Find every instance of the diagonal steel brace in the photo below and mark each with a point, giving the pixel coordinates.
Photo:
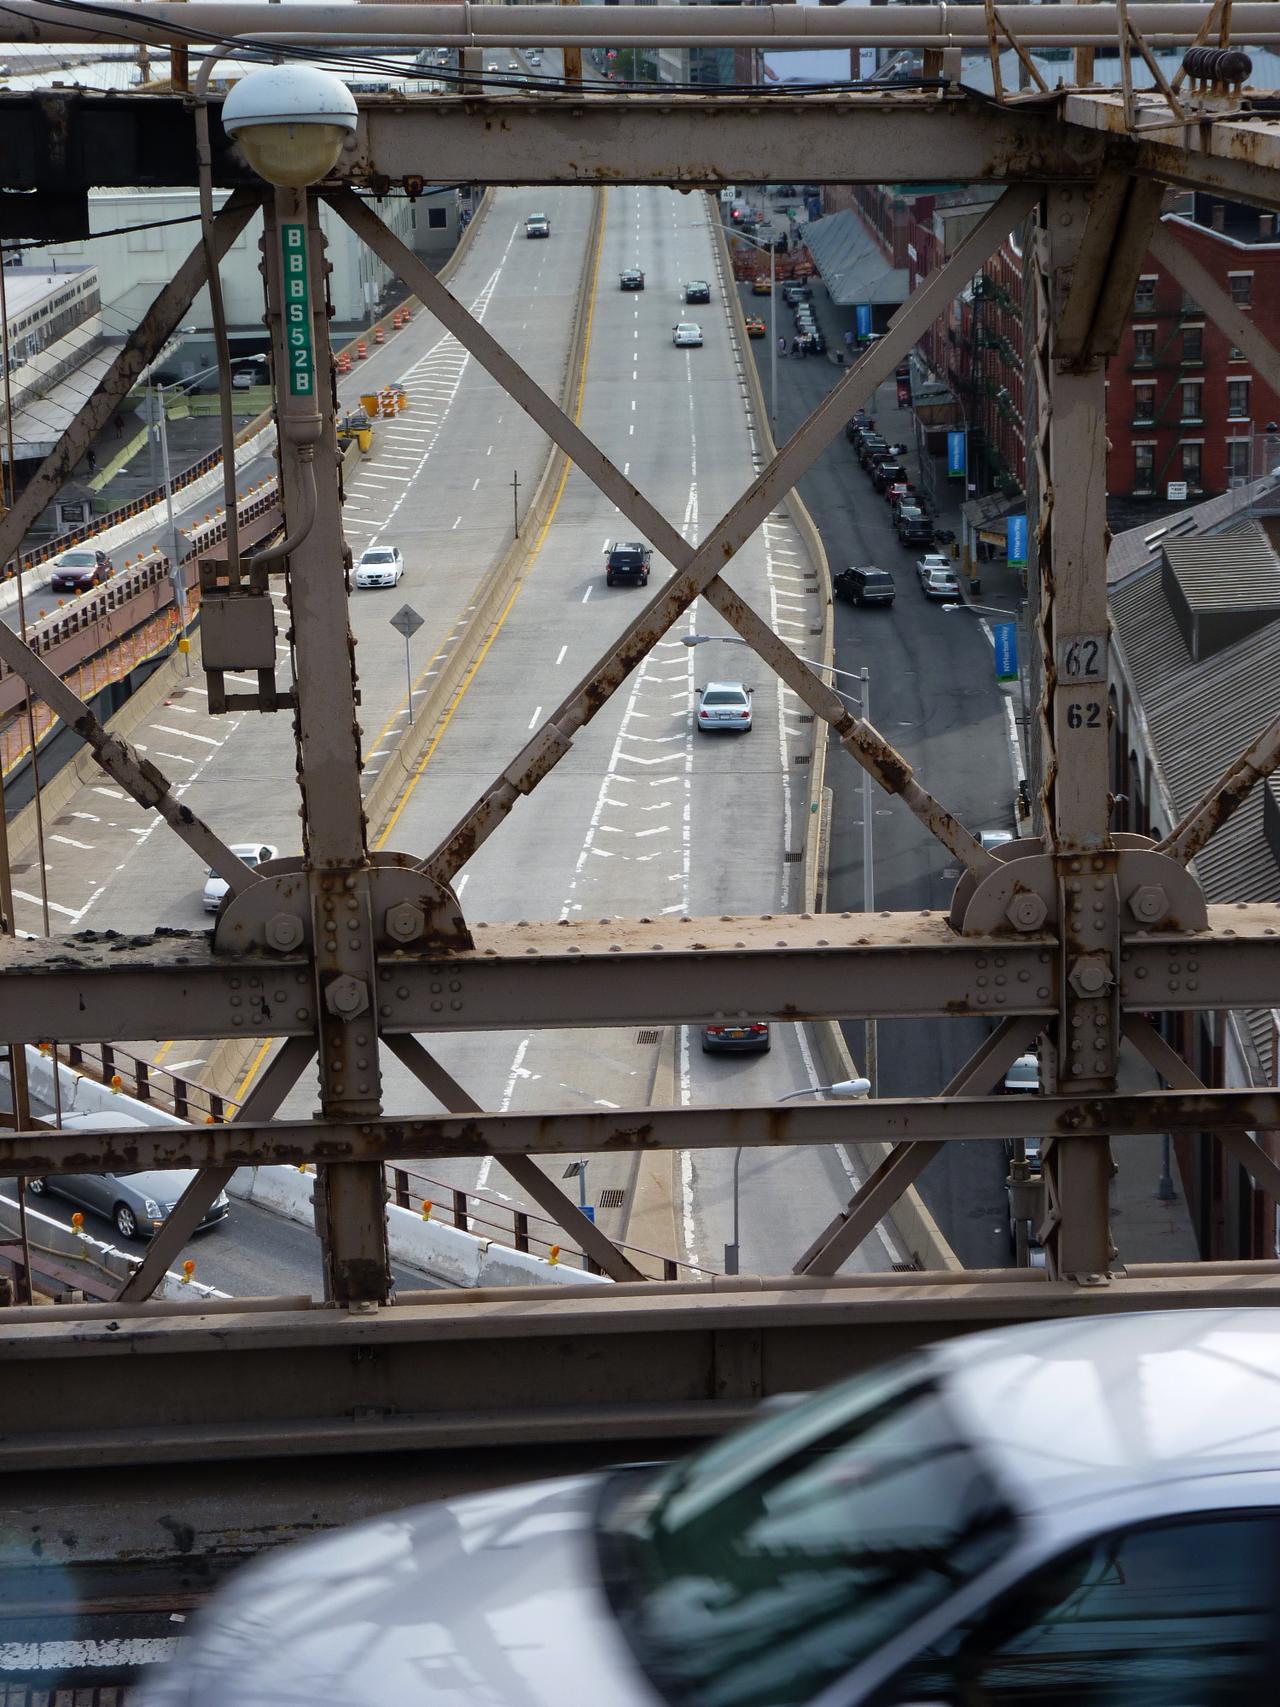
(906, 1161)
(523, 1169)
(696, 568)
(262, 1102)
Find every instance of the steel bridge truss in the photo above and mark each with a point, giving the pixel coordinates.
(1069, 937)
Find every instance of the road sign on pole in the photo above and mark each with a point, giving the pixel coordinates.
(406, 621)
(1006, 638)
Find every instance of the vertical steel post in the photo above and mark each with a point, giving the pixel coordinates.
(773, 342)
(177, 575)
(1071, 456)
(350, 1197)
(872, 1064)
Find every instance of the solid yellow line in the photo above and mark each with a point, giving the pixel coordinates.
(251, 1073)
(529, 561)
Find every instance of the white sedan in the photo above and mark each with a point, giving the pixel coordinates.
(379, 566)
(725, 706)
(686, 333)
(252, 853)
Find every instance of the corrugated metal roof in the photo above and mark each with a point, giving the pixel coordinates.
(851, 263)
(1232, 570)
(1201, 715)
(1136, 547)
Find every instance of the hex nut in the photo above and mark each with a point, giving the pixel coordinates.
(346, 997)
(1149, 904)
(404, 922)
(1090, 975)
(1026, 912)
(284, 932)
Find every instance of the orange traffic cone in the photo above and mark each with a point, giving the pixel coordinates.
(362, 350)
(379, 336)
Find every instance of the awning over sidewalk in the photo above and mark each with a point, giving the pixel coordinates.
(852, 266)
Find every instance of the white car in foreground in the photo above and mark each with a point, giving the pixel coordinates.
(252, 853)
(686, 334)
(379, 566)
(1073, 1513)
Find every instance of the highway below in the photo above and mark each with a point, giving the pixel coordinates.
(933, 694)
(645, 817)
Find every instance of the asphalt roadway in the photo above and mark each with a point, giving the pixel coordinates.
(934, 695)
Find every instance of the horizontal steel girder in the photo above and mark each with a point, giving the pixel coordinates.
(495, 1370)
(621, 972)
(574, 1132)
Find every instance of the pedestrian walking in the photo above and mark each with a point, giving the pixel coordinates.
(795, 346)
(848, 339)
(782, 346)
(119, 426)
(90, 460)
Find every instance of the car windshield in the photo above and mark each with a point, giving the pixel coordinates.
(77, 560)
(725, 698)
(764, 1568)
(379, 556)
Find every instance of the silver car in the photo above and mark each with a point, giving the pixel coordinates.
(725, 707)
(939, 584)
(136, 1204)
(1078, 1513)
(252, 853)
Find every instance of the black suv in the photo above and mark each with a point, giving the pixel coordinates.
(916, 530)
(869, 586)
(886, 474)
(628, 560)
(697, 290)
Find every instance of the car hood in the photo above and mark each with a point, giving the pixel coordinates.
(488, 1600)
(164, 1185)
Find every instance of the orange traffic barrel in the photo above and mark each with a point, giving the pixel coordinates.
(362, 350)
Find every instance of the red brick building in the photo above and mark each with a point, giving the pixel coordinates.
(1183, 404)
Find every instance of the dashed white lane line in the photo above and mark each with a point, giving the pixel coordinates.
(560, 654)
(533, 721)
(187, 734)
(71, 842)
(586, 595)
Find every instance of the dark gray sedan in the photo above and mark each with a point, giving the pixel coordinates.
(136, 1204)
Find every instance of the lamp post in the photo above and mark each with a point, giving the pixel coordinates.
(1020, 618)
(843, 1088)
(176, 576)
(755, 243)
(862, 700)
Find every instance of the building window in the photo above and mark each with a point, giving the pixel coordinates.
(1191, 393)
(1190, 306)
(1193, 344)
(1237, 461)
(1144, 298)
(1241, 289)
(437, 217)
(1144, 345)
(1235, 355)
(1191, 461)
(1144, 402)
(1238, 399)
(1144, 468)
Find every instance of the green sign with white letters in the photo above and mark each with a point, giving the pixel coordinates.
(297, 310)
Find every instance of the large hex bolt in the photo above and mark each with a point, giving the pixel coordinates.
(284, 933)
(346, 997)
(1026, 912)
(404, 922)
(1090, 975)
(1149, 904)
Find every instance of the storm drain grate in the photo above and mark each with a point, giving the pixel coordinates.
(572, 1171)
(801, 759)
(906, 1268)
(611, 1197)
(649, 1036)
(792, 858)
(806, 717)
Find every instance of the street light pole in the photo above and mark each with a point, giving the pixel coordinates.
(177, 575)
(868, 877)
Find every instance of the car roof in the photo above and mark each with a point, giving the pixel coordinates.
(1069, 1410)
(628, 545)
(726, 687)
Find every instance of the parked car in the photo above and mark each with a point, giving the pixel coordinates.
(379, 566)
(886, 474)
(724, 707)
(932, 560)
(1023, 1076)
(686, 335)
(915, 530)
(865, 586)
(136, 1204)
(756, 327)
(252, 853)
(740, 1035)
(537, 225)
(871, 446)
(627, 560)
(760, 285)
(697, 290)
(795, 290)
(632, 279)
(1078, 1512)
(78, 568)
(940, 584)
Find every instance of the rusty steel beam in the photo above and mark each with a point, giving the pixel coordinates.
(527, 1174)
(289, 1143)
(281, 1074)
(885, 764)
(554, 739)
(622, 973)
